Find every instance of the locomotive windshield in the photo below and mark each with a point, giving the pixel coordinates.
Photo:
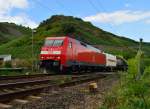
(54, 42)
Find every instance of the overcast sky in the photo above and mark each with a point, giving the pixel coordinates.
(130, 18)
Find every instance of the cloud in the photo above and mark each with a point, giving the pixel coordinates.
(127, 5)
(6, 7)
(21, 19)
(119, 17)
(148, 21)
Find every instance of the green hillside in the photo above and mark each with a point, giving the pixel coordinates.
(60, 25)
(10, 31)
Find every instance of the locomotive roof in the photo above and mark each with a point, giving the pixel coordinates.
(63, 37)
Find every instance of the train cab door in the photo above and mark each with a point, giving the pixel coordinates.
(70, 52)
(72, 45)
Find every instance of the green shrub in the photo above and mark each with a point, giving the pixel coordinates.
(133, 92)
(22, 63)
(7, 64)
(130, 94)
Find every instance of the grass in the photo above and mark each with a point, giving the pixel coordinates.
(11, 31)
(11, 73)
(17, 73)
(133, 89)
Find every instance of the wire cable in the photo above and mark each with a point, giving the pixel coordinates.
(97, 10)
(44, 6)
(62, 5)
(116, 31)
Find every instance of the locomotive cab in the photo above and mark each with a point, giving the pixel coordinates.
(52, 53)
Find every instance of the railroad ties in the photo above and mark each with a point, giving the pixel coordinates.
(32, 88)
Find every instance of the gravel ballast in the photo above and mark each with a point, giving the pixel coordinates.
(75, 97)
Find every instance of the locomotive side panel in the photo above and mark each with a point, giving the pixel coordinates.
(100, 59)
(71, 53)
(89, 56)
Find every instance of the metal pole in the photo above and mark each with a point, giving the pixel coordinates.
(33, 31)
(32, 50)
(140, 46)
(139, 63)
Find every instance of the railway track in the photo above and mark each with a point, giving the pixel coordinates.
(9, 91)
(24, 83)
(24, 76)
(36, 76)
(35, 87)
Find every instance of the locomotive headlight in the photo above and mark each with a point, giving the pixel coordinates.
(56, 52)
(58, 57)
(44, 52)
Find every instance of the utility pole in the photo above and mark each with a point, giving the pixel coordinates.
(139, 60)
(140, 45)
(33, 31)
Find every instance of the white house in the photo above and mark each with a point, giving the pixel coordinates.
(4, 58)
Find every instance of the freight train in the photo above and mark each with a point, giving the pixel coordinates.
(68, 54)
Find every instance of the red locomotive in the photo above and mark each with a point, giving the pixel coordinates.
(65, 53)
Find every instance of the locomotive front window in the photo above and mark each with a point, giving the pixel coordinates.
(49, 42)
(53, 42)
(58, 43)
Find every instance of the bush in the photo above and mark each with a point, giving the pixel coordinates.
(68, 28)
(133, 92)
(7, 64)
(130, 94)
(22, 63)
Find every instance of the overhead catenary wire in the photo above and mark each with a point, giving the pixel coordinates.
(104, 9)
(92, 4)
(97, 10)
(110, 24)
(32, 46)
(44, 6)
(52, 10)
(62, 5)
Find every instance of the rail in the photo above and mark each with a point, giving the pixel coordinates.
(36, 90)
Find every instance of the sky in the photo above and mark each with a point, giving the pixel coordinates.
(129, 18)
